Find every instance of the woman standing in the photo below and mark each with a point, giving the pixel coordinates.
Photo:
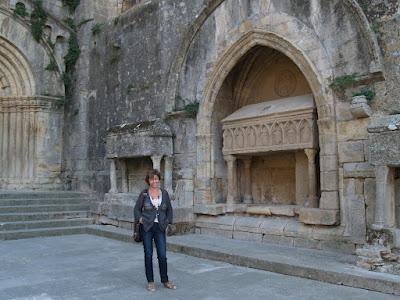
(153, 209)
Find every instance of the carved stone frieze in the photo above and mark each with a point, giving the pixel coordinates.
(253, 129)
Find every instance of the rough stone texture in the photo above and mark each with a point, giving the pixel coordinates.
(159, 56)
(370, 196)
(319, 216)
(351, 152)
(353, 130)
(358, 170)
(384, 140)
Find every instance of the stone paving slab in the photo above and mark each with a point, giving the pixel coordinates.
(92, 267)
(326, 266)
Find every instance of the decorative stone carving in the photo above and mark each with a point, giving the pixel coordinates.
(285, 124)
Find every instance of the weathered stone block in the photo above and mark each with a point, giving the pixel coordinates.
(214, 210)
(319, 216)
(296, 229)
(353, 130)
(273, 226)
(370, 199)
(353, 187)
(329, 162)
(328, 233)
(355, 219)
(329, 181)
(329, 200)
(306, 243)
(248, 224)
(279, 240)
(279, 210)
(351, 151)
(358, 170)
(247, 236)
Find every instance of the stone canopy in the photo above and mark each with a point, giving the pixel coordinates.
(147, 138)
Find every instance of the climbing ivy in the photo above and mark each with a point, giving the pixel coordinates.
(52, 66)
(20, 10)
(38, 20)
(71, 4)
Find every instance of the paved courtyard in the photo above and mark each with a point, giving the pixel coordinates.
(91, 267)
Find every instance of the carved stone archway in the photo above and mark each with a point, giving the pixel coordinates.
(324, 102)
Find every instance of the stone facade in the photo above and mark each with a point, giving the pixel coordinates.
(156, 60)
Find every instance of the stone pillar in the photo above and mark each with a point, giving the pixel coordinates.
(312, 200)
(248, 198)
(384, 204)
(124, 175)
(168, 174)
(156, 159)
(232, 197)
(113, 176)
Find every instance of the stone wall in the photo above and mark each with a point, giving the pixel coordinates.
(158, 56)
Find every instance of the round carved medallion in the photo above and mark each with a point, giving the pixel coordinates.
(285, 83)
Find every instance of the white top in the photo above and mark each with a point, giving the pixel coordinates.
(156, 203)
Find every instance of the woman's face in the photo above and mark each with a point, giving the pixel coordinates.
(154, 182)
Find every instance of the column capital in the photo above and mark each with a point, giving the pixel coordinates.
(229, 158)
(310, 153)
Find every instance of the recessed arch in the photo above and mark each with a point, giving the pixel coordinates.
(15, 67)
(210, 7)
(229, 59)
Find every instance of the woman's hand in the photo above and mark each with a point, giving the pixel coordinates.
(141, 220)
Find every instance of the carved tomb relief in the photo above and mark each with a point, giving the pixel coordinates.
(272, 144)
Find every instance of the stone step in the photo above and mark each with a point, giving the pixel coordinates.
(7, 226)
(19, 217)
(320, 265)
(41, 194)
(43, 208)
(40, 232)
(44, 201)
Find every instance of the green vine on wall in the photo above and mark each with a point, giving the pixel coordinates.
(367, 92)
(71, 4)
(20, 10)
(38, 20)
(339, 83)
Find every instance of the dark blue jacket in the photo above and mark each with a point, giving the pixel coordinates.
(144, 208)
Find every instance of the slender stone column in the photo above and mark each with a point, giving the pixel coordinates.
(156, 159)
(124, 175)
(232, 196)
(312, 178)
(113, 177)
(382, 177)
(168, 174)
(248, 198)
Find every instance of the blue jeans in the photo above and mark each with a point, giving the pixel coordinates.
(161, 245)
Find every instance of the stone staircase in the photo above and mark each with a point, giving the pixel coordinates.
(34, 214)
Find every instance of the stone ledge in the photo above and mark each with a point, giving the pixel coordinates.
(358, 170)
(210, 209)
(269, 210)
(317, 216)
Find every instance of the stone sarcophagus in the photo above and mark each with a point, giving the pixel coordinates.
(284, 124)
(271, 140)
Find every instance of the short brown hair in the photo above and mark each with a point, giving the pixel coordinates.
(151, 174)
